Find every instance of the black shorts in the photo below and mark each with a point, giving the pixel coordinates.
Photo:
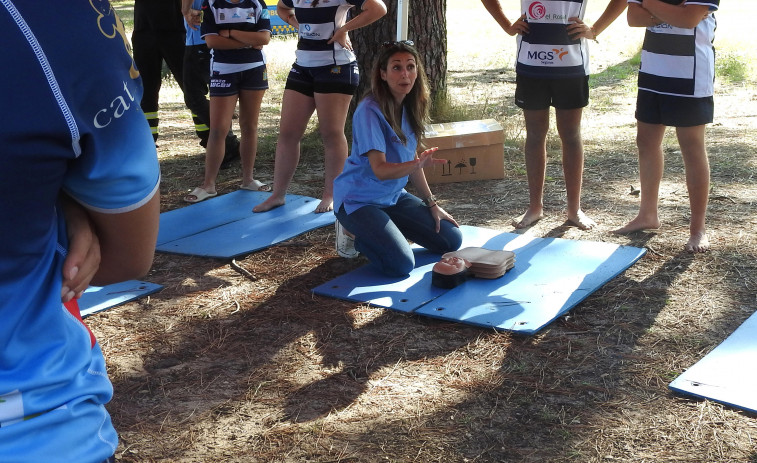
(324, 79)
(538, 93)
(230, 84)
(673, 111)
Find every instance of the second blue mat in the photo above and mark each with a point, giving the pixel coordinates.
(550, 276)
(724, 374)
(225, 226)
(98, 298)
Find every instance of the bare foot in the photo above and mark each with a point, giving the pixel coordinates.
(271, 203)
(527, 219)
(698, 242)
(582, 221)
(325, 206)
(638, 224)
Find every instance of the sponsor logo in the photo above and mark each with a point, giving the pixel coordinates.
(115, 110)
(217, 83)
(336, 70)
(537, 10)
(547, 57)
(110, 26)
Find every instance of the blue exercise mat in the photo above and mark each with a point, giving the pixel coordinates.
(98, 298)
(225, 226)
(550, 276)
(727, 374)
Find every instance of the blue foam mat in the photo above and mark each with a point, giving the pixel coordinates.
(98, 298)
(550, 276)
(725, 375)
(225, 226)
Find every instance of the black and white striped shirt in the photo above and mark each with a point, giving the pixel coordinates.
(678, 61)
(317, 25)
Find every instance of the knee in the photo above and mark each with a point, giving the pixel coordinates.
(399, 267)
(332, 137)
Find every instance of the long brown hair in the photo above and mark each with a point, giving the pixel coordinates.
(416, 103)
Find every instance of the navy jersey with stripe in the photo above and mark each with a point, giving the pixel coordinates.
(317, 25)
(680, 61)
(246, 15)
(547, 51)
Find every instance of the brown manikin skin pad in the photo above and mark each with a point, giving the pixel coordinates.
(485, 263)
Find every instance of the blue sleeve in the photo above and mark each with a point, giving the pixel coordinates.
(118, 168)
(367, 131)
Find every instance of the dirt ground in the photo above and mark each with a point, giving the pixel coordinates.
(225, 365)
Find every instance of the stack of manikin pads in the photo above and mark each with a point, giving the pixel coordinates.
(485, 263)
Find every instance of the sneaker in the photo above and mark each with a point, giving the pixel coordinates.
(345, 244)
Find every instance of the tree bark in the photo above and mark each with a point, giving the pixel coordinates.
(427, 27)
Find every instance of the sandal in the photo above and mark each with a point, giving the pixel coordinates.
(198, 194)
(256, 185)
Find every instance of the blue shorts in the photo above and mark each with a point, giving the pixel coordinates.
(230, 84)
(324, 79)
(673, 111)
(537, 93)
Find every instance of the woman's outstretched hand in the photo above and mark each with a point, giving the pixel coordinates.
(426, 158)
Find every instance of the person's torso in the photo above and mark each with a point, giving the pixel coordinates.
(358, 185)
(547, 51)
(679, 61)
(317, 26)
(158, 15)
(53, 382)
(246, 15)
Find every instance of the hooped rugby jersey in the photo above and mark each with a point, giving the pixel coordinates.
(679, 61)
(317, 26)
(248, 16)
(547, 51)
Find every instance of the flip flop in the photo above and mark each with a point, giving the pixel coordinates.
(256, 185)
(198, 194)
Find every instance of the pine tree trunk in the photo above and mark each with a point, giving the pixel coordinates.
(427, 27)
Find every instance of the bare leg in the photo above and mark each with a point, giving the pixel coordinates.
(537, 125)
(569, 129)
(651, 165)
(296, 110)
(221, 113)
(691, 140)
(332, 114)
(249, 112)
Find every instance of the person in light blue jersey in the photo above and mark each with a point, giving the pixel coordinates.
(78, 135)
(676, 86)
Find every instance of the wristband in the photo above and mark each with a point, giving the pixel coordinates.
(430, 201)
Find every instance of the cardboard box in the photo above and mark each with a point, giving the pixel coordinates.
(474, 150)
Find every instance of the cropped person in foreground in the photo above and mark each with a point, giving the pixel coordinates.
(676, 86)
(77, 135)
(375, 215)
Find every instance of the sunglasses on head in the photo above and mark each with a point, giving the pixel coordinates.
(392, 43)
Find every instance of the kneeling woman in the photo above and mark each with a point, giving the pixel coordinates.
(370, 200)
